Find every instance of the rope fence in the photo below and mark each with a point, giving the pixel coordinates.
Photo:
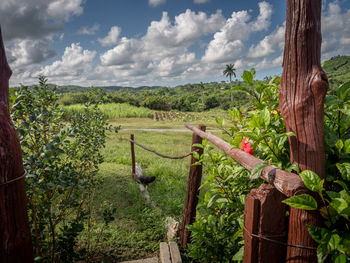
(159, 154)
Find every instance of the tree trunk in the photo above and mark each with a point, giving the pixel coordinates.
(302, 93)
(15, 241)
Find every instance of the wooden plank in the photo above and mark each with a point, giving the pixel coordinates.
(175, 253)
(287, 183)
(194, 181)
(272, 224)
(16, 240)
(301, 101)
(164, 253)
(251, 219)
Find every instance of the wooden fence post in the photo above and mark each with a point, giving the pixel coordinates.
(264, 220)
(194, 181)
(302, 92)
(15, 241)
(132, 155)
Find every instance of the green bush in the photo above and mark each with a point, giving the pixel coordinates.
(61, 160)
(217, 232)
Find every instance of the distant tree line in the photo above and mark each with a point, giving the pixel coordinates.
(189, 97)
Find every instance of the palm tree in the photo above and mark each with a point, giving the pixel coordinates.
(228, 72)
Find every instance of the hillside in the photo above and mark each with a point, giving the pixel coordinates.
(337, 70)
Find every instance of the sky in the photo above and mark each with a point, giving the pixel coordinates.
(153, 42)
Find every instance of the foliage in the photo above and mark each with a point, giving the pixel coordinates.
(110, 111)
(217, 232)
(261, 127)
(337, 70)
(189, 97)
(61, 160)
(334, 237)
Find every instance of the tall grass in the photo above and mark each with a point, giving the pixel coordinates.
(112, 111)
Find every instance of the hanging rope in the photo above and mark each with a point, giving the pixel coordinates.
(159, 154)
(16, 179)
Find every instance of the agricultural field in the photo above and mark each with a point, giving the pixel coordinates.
(112, 111)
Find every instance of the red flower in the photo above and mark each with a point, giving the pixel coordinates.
(254, 108)
(246, 146)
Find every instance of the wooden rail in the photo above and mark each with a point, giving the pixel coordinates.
(287, 183)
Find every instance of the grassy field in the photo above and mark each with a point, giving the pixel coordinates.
(138, 228)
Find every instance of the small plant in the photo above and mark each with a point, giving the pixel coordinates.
(334, 237)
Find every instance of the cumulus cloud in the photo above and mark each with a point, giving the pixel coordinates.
(335, 31)
(75, 62)
(163, 50)
(228, 42)
(26, 52)
(111, 38)
(35, 19)
(88, 30)
(271, 44)
(156, 2)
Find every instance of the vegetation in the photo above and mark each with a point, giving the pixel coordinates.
(219, 221)
(111, 111)
(337, 70)
(62, 165)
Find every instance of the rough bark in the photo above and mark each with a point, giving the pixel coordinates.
(302, 92)
(194, 181)
(15, 241)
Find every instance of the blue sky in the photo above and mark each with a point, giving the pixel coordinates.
(153, 42)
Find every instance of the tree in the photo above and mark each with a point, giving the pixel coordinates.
(228, 72)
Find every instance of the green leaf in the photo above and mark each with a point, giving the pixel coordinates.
(339, 145)
(318, 233)
(265, 114)
(347, 146)
(256, 171)
(312, 181)
(239, 255)
(248, 77)
(344, 169)
(303, 201)
(343, 91)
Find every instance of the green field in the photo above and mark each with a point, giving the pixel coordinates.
(138, 228)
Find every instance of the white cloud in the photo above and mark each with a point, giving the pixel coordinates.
(26, 52)
(111, 38)
(122, 53)
(269, 45)
(201, 1)
(335, 31)
(227, 44)
(75, 62)
(89, 30)
(59, 9)
(156, 2)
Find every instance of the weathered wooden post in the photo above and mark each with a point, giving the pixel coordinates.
(194, 182)
(15, 241)
(132, 155)
(302, 92)
(264, 225)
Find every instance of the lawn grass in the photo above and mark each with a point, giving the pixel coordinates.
(138, 228)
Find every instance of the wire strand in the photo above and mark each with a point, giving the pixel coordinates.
(16, 179)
